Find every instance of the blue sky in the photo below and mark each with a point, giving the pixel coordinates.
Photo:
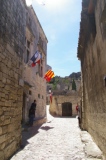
(60, 20)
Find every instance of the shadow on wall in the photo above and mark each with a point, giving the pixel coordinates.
(53, 114)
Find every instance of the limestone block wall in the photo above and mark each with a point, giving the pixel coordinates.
(57, 100)
(94, 88)
(12, 34)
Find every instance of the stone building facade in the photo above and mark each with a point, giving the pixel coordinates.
(64, 105)
(12, 35)
(92, 53)
(20, 35)
(35, 84)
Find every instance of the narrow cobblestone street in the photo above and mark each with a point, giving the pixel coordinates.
(52, 52)
(58, 139)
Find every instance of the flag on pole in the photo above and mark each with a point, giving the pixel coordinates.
(49, 74)
(35, 56)
(35, 59)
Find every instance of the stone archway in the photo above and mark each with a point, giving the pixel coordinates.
(67, 109)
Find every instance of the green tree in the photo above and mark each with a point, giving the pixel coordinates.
(54, 86)
(73, 85)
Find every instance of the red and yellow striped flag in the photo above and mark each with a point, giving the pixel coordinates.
(48, 75)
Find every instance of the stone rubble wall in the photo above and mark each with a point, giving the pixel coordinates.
(12, 34)
(94, 90)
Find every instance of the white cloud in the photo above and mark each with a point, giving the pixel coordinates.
(28, 2)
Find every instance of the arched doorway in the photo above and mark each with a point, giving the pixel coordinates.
(67, 109)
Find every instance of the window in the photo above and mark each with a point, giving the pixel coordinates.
(41, 71)
(40, 68)
(30, 93)
(92, 25)
(38, 95)
(28, 44)
(29, 21)
(27, 50)
(27, 58)
(25, 40)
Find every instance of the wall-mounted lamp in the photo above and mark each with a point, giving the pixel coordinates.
(105, 80)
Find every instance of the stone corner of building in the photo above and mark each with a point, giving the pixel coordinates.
(40, 121)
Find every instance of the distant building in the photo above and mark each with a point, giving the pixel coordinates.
(64, 104)
(48, 68)
(64, 99)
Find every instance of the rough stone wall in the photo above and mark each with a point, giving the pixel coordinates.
(93, 64)
(12, 34)
(57, 100)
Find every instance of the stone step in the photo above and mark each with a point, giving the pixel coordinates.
(92, 151)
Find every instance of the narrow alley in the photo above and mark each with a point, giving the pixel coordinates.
(53, 52)
(58, 139)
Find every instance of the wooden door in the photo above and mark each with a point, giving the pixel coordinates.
(67, 109)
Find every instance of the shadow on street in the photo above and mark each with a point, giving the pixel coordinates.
(27, 133)
(46, 128)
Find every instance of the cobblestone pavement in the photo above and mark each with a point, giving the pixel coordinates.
(58, 139)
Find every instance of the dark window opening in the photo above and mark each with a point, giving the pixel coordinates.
(92, 24)
(104, 29)
(38, 95)
(41, 71)
(30, 93)
(27, 58)
(28, 44)
(29, 20)
(25, 40)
